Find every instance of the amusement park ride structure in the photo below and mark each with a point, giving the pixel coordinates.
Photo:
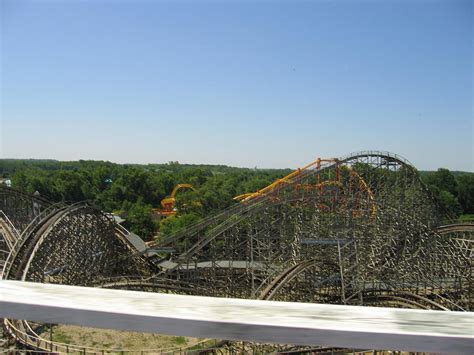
(358, 230)
(168, 204)
(331, 184)
(285, 180)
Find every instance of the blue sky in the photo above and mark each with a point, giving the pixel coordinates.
(242, 83)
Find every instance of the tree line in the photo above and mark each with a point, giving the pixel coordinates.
(135, 191)
(454, 190)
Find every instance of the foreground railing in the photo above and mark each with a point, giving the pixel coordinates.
(238, 319)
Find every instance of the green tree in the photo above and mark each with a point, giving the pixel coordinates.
(450, 202)
(466, 192)
(140, 220)
(175, 223)
(443, 179)
(189, 201)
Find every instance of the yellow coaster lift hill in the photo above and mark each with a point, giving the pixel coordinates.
(337, 181)
(168, 204)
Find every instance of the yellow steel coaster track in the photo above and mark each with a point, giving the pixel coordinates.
(363, 186)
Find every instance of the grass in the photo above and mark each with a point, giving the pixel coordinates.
(466, 218)
(180, 340)
(206, 345)
(114, 339)
(60, 337)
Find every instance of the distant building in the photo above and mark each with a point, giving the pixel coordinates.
(6, 181)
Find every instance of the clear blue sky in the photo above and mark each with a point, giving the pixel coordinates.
(262, 83)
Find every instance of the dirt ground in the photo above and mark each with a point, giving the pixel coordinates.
(120, 340)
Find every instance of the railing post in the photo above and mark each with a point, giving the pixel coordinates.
(51, 336)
